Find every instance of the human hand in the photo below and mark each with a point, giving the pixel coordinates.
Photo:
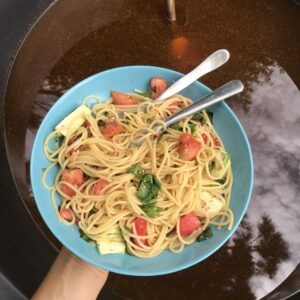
(71, 278)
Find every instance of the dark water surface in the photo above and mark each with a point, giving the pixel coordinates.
(76, 39)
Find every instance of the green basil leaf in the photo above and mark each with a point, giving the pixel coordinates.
(199, 117)
(204, 235)
(145, 187)
(151, 211)
(176, 126)
(192, 127)
(137, 171)
(156, 181)
(147, 94)
(148, 188)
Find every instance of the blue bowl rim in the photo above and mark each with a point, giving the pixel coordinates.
(141, 273)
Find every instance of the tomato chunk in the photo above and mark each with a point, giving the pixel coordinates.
(188, 146)
(123, 99)
(74, 177)
(111, 128)
(99, 186)
(66, 214)
(141, 230)
(67, 190)
(217, 142)
(188, 224)
(158, 86)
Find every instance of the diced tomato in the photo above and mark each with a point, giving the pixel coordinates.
(111, 128)
(189, 223)
(217, 142)
(158, 86)
(173, 106)
(141, 230)
(67, 190)
(74, 177)
(99, 186)
(123, 99)
(188, 146)
(185, 138)
(66, 214)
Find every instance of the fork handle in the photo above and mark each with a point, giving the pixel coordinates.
(227, 90)
(211, 63)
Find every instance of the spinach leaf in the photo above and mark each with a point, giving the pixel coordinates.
(101, 123)
(137, 171)
(199, 117)
(210, 115)
(204, 235)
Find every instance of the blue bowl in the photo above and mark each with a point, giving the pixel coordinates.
(126, 79)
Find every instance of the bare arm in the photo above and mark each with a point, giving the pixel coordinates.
(71, 278)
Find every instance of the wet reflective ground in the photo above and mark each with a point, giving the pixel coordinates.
(77, 39)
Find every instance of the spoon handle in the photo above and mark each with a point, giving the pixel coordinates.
(227, 90)
(214, 61)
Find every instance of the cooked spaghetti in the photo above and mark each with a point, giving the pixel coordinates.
(159, 196)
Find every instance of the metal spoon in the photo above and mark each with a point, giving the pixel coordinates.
(227, 90)
(214, 61)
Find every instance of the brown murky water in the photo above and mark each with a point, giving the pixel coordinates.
(76, 39)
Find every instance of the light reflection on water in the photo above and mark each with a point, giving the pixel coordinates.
(273, 126)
